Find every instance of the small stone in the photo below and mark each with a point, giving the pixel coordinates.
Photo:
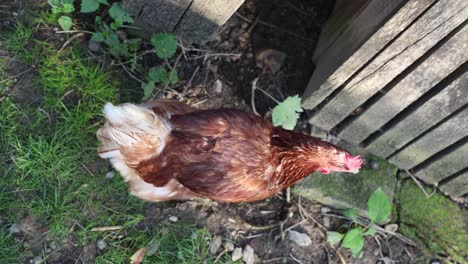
(94, 45)
(300, 239)
(173, 219)
(37, 260)
(325, 210)
(218, 86)
(229, 246)
(101, 244)
(215, 244)
(373, 164)
(248, 255)
(270, 60)
(391, 228)
(327, 222)
(435, 261)
(110, 175)
(53, 246)
(237, 254)
(14, 229)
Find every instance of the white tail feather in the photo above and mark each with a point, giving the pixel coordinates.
(132, 133)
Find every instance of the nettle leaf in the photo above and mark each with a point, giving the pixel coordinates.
(379, 207)
(88, 6)
(350, 213)
(370, 232)
(286, 113)
(334, 237)
(148, 89)
(65, 22)
(67, 6)
(354, 241)
(98, 37)
(158, 74)
(165, 45)
(119, 15)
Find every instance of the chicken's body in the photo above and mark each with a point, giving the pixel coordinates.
(167, 150)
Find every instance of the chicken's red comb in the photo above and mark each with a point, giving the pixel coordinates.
(353, 162)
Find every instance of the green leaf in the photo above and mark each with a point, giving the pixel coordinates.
(379, 207)
(354, 241)
(65, 22)
(88, 6)
(148, 89)
(68, 6)
(158, 74)
(286, 113)
(370, 232)
(165, 45)
(119, 15)
(334, 237)
(350, 213)
(98, 37)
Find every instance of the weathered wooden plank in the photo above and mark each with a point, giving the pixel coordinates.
(323, 82)
(448, 165)
(456, 187)
(204, 17)
(451, 98)
(344, 12)
(436, 140)
(431, 71)
(426, 32)
(156, 15)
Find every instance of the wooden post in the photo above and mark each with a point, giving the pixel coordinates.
(192, 20)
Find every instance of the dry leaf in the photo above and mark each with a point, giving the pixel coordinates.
(138, 256)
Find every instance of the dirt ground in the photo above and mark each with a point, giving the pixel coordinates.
(272, 41)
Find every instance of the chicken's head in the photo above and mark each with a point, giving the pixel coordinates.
(341, 161)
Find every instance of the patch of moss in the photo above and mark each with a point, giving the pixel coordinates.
(435, 222)
(345, 190)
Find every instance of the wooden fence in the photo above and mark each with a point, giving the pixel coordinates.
(392, 77)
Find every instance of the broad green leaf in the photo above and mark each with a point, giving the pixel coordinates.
(165, 45)
(158, 74)
(65, 22)
(68, 6)
(354, 241)
(286, 113)
(370, 232)
(334, 237)
(350, 213)
(379, 207)
(88, 6)
(98, 37)
(148, 89)
(119, 15)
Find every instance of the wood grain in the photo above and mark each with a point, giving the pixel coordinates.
(205, 17)
(358, 44)
(424, 34)
(431, 71)
(456, 187)
(450, 99)
(436, 140)
(446, 166)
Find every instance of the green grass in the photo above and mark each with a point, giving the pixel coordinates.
(46, 156)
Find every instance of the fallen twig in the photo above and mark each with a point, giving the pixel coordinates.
(106, 228)
(77, 35)
(419, 184)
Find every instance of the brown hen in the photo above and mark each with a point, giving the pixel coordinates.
(167, 150)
